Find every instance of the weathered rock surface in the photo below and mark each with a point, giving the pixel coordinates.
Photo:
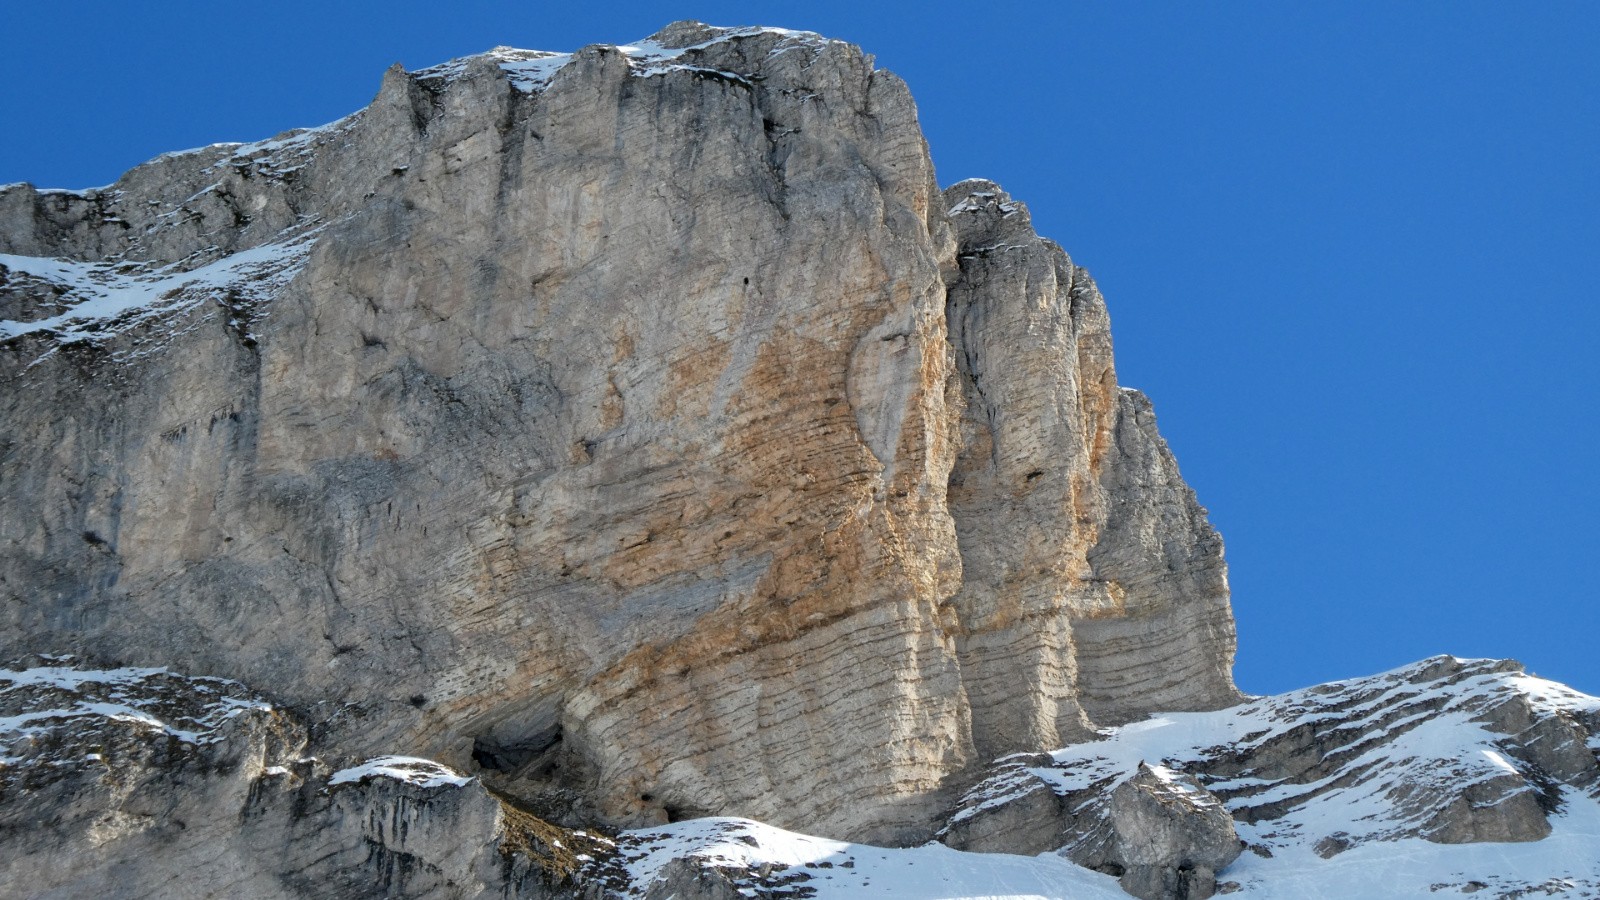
(1073, 609)
(637, 435)
(1172, 835)
(1448, 751)
(142, 783)
(639, 428)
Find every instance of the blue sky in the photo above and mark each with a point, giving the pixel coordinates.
(1350, 250)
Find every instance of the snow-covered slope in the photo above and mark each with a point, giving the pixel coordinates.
(729, 857)
(755, 860)
(1447, 774)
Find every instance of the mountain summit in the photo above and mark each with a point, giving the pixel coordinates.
(574, 443)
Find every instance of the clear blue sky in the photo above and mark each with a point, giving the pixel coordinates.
(1350, 250)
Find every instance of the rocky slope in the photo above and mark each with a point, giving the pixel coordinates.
(640, 428)
(1445, 751)
(154, 784)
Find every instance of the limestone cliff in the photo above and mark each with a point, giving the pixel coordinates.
(641, 429)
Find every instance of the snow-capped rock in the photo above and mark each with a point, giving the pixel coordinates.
(1446, 751)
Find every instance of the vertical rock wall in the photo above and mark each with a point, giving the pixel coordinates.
(630, 428)
(1094, 590)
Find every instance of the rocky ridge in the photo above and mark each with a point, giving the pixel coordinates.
(1446, 751)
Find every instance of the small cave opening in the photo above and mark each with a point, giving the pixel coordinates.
(677, 813)
(517, 755)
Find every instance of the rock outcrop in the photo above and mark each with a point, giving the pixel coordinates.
(154, 784)
(1447, 751)
(1172, 835)
(640, 429)
(1073, 609)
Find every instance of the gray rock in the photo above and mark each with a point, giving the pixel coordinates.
(1093, 588)
(155, 784)
(1032, 819)
(691, 879)
(1172, 835)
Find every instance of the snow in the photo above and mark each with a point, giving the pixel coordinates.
(75, 702)
(296, 139)
(295, 143)
(1418, 868)
(846, 871)
(70, 679)
(110, 297)
(1552, 695)
(530, 71)
(1440, 734)
(1419, 725)
(409, 769)
(836, 870)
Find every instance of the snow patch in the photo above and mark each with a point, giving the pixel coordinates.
(410, 769)
(531, 71)
(108, 298)
(45, 705)
(766, 861)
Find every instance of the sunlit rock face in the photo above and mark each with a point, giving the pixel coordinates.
(641, 429)
(1093, 587)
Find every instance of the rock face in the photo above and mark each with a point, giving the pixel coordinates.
(641, 429)
(154, 784)
(1093, 587)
